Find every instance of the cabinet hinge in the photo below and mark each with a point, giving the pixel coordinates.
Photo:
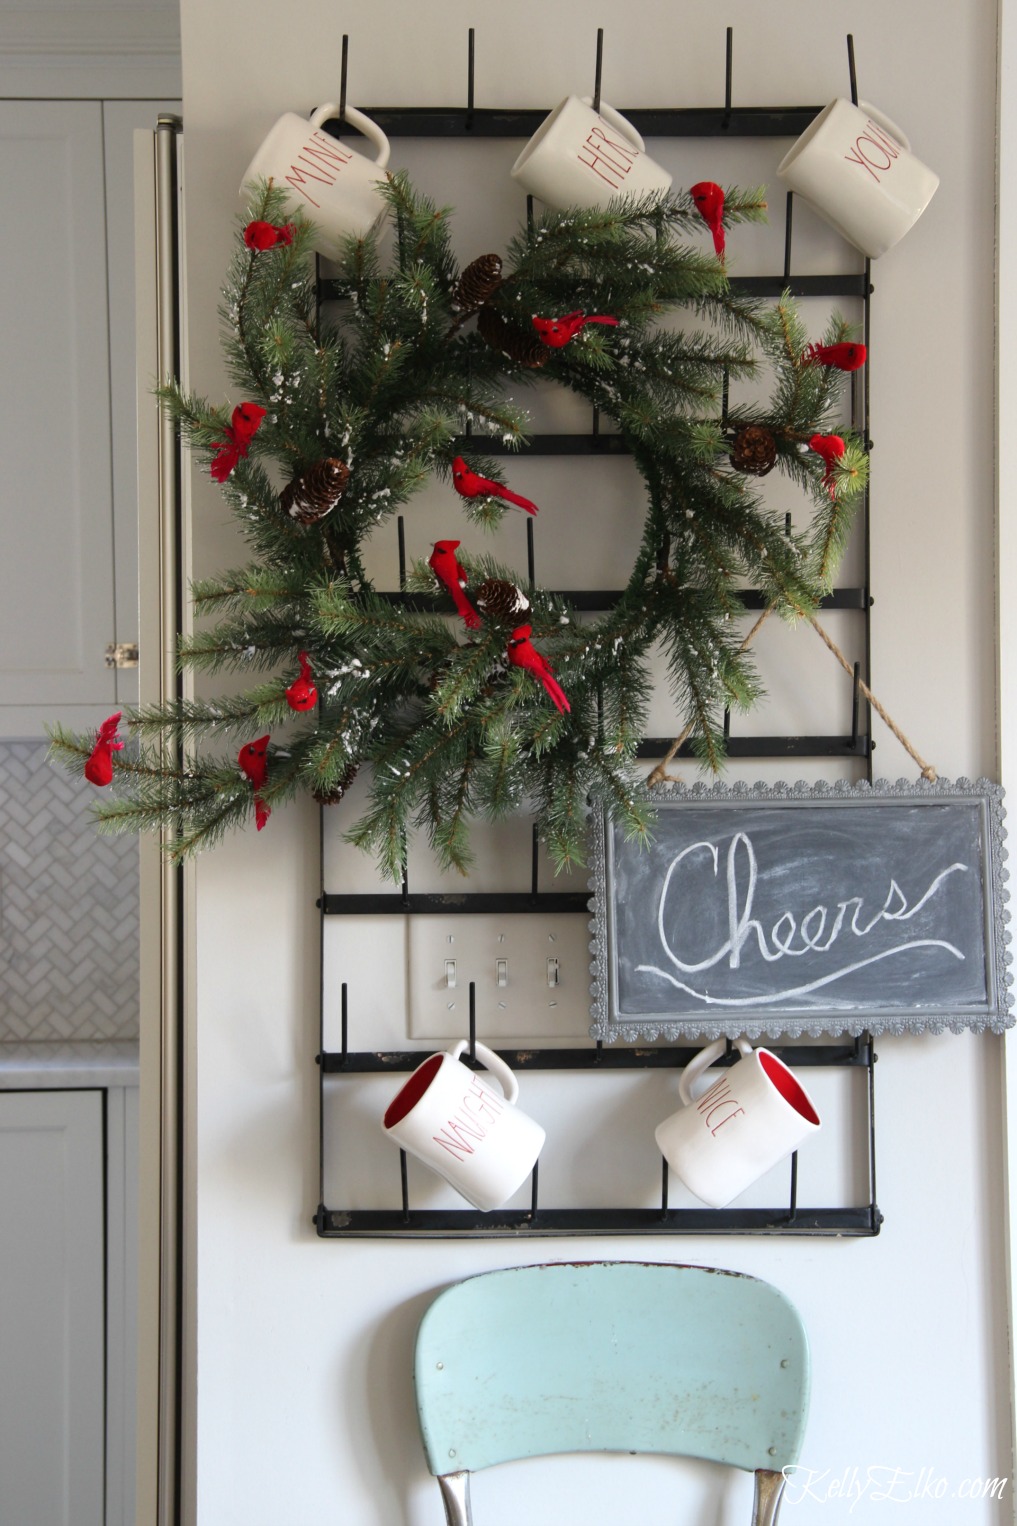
(122, 654)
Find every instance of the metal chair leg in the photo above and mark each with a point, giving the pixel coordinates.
(455, 1496)
(766, 1504)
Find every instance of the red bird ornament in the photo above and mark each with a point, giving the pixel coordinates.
(558, 332)
(99, 767)
(830, 447)
(301, 694)
(259, 236)
(469, 485)
(845, 356)
(240, 432)
(709, 201)
(253, 760)
(444, 563)
(522, 654)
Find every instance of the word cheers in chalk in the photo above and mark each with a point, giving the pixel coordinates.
(836, 939)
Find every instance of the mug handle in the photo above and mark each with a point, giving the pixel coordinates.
(363, 124)
(617, 121)
(702, 1061)
(884, 121)
(492, 1062)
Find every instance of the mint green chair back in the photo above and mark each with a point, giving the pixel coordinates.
(612, 1356)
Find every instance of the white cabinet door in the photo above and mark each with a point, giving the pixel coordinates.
(51, 1309)
(56, 571)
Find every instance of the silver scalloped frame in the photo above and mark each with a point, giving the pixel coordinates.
(995, 1016)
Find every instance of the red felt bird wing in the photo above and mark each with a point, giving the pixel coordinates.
(830, 447)
(445, 566)
(240, 432)
(259, 236)
(845, 356)
(246, 421)
(98, 768)
(709, 201)
(301, 694)
(557, 332)
(523, 654)
(469, 484)
(253, 760)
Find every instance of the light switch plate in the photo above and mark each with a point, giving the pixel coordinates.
(532, 975)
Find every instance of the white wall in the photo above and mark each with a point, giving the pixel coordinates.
(303, 1347)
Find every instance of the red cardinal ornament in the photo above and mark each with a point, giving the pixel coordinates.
(99, 768)
(524, 655)
(444, 563)
(831, 448)
(557, 332)
(253, 760)
(846, 357)
(709, 200)
(240, 432)
(259, 236)
(301, 694)
(469, 485)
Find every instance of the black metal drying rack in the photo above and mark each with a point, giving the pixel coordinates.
(539, 1220)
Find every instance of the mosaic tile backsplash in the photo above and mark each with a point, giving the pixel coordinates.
(68, 909)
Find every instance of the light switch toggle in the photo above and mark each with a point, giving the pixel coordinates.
(552, 972)
(450, 973)
(501, 972)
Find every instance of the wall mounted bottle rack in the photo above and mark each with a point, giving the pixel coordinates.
(541, 1221)
(341, 1067)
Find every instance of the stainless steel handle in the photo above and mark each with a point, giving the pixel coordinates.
(167, 274)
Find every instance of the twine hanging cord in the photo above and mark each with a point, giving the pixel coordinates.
(660, 775)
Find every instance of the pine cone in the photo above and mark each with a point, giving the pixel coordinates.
(507, 340)
(478, 283)
(315, 492)
(333, 794)
(500, 600)
(754, 450)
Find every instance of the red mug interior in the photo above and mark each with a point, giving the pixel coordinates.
(788, 1087)
(406, 1099)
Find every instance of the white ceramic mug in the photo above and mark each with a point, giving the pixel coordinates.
(476, 1138)
(334, 184)
(578, 158)
(753, 1116)
(856, 169)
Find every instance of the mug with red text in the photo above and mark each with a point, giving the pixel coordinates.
(856, 169)
(753, 1116)
(582, 158)
(475, 1137)
(335, 185)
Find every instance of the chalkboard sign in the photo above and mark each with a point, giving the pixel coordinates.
(803, 909)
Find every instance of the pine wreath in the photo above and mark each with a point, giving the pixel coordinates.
(470, 714)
